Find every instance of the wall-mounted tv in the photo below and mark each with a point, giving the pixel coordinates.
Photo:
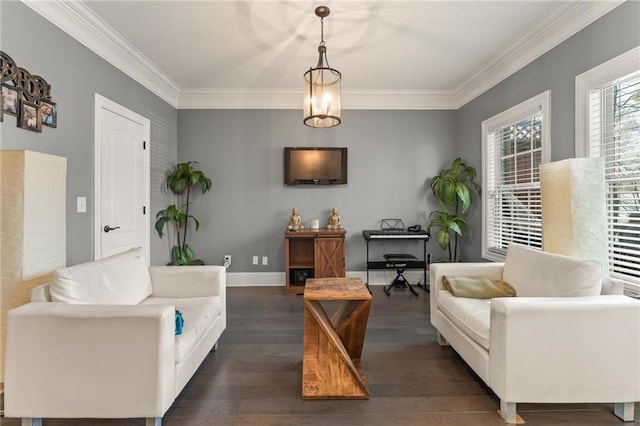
(315, 166)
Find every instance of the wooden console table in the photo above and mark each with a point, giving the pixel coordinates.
(331, 367)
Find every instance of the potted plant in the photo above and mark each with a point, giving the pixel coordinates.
(181, 182)
(453, 188)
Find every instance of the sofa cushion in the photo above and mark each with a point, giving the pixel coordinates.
(477, 287)
(472, 316)
(120, 279)
(199, 313)
(537, 273)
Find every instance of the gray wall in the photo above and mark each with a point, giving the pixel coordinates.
(392, 154)
(75, 74)
(608, 37)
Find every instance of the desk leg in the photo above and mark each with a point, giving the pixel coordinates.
(367, 266)
(425, 286)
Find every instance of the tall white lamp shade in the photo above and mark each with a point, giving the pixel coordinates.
(32, 226)
(574, 209)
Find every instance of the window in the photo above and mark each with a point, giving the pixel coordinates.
(608, 126)
(514, 144)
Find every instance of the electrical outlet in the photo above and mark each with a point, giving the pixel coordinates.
(227, 260)
(255, 260)
(265, 260)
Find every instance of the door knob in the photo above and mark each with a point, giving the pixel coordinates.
(107, 228)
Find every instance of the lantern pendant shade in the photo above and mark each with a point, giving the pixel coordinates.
(321, 104)
(322, 97)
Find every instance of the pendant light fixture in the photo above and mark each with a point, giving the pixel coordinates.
(322, 86)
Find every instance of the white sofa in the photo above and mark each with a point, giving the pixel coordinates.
(99, 340)
(558, 341)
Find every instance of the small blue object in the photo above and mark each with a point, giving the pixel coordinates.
(179, 322)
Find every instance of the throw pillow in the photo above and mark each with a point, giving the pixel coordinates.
(477, 288)
(179, 322)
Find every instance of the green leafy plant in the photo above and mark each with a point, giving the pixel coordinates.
(182, 182)
(453, 188)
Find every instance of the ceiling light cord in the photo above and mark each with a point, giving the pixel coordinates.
(322, 49)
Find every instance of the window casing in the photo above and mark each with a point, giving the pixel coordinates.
(514, 144)
(608, 126)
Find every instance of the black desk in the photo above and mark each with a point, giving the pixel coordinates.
(379, 235)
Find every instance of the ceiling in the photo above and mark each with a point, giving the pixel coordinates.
(252, 54)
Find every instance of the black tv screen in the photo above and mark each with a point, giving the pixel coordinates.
(315, 166)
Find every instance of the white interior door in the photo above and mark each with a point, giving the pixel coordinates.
(121, 201)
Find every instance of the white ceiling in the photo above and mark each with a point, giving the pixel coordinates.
(252, 54)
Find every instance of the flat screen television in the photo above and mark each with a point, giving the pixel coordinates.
(315, 166)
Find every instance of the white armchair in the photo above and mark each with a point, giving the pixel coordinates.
(75, 357)
(574, 346)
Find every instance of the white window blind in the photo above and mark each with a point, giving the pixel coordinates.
(614, 133)
(514, 147)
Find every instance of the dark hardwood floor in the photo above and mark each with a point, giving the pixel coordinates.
(255, 376)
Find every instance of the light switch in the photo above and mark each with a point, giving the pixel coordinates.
(81, 204)
(265, 260)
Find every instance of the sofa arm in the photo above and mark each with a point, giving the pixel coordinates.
(188, 281)
(571, 349)
(97, 361)
(438, 270)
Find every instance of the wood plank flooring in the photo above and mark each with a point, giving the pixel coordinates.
(255, 377)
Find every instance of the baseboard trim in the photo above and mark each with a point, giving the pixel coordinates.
(276, 279)
(255, 279)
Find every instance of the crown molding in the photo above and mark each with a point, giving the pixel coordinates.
(291, 99)
(238, 99)
(81, 23)
(399, 100)
(542, 37)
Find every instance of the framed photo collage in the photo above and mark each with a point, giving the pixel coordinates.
(25, 96)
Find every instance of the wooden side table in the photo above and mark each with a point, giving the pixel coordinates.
(331, 367)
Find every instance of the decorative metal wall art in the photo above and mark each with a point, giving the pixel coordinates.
(26, 96)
